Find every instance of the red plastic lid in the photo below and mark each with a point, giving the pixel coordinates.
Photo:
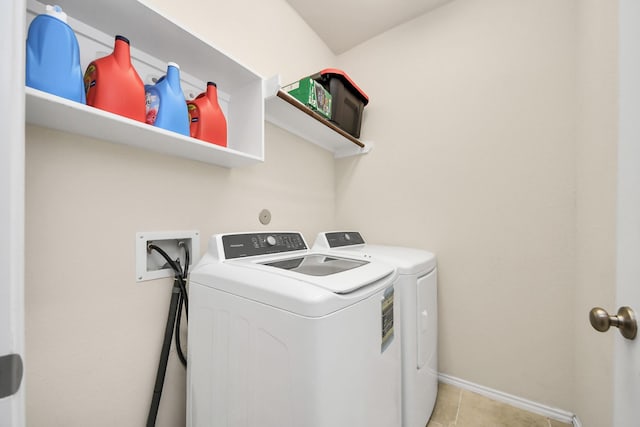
(334, 72)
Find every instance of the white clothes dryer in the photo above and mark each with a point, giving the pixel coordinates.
(280, 336)
(416, 290)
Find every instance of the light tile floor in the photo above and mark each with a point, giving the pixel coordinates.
(461, 408)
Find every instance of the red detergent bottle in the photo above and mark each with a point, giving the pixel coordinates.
(206, 117)
(112, 84)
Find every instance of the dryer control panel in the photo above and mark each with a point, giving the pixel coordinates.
(344, 238)
(251, 244)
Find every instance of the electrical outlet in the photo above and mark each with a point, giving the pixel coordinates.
(151, 265)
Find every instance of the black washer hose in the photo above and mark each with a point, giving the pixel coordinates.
(178, 273)
(178, 298)
(164, 356)
(183, 297)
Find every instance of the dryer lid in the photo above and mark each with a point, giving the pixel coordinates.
(406, 260)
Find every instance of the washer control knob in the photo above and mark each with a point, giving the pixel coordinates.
(271, 241)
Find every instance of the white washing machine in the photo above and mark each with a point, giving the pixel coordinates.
(280, 336)
(416, 290)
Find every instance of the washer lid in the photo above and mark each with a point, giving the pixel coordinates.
(316, 264)
(286, 254)
(337, 274)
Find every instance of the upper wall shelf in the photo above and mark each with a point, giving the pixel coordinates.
(50, 111)
(288, 113)
(155, 40)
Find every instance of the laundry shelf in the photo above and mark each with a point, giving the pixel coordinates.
(155, 40)
(286, 112)
(50, 111)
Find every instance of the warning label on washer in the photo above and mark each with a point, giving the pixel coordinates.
(387, 319)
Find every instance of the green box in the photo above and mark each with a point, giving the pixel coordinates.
(311, 94)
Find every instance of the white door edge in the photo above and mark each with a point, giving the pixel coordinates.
(626, 381)
(12, 170)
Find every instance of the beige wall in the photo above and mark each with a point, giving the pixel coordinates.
(474, 115)
(266, 36)
(494, 131)
(93, 334)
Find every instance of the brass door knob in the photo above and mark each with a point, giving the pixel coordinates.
(625, 321)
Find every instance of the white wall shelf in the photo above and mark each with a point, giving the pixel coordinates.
(155, 40)
(50, 111)
(288, 113)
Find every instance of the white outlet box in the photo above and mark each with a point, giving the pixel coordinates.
(151, 265)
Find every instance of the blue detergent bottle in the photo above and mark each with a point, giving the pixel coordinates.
(166, 105)
(53, 56)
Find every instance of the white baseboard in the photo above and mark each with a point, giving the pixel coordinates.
(518, 402)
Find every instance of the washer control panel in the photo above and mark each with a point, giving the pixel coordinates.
(251, 244)
(344, 238)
